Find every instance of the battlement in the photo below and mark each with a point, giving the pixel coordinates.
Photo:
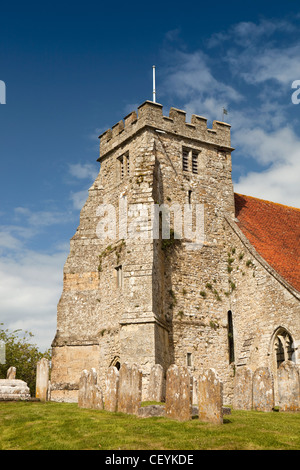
(150, 114)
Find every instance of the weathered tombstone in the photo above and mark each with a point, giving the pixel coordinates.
(178, 393)
(242, 394)
(289, 386)
(94, 392)
(130, 389)
(82, 391)
(136, 388)
(42, 379)
(263, 390)
(90, 394)
(210, 397)
(11, 373)
(111, 389)
(124, 387)
(156, 383)
(195, 392)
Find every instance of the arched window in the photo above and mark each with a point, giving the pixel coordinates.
(284, 347)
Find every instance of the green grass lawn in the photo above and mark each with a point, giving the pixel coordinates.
(64, 426)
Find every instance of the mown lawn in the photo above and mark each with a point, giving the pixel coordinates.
(64, 426)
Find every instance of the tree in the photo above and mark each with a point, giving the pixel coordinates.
(21, 354)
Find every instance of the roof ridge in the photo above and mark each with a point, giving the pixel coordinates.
(269, 202)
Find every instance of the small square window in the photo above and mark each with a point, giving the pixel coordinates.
(189, 359)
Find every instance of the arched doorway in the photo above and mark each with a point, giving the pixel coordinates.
(116, 362)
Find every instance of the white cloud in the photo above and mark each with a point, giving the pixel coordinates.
(39, 219)
(280, 150)
(191, 75)
(250, 73)
(84, 170)
(30, 287)
(79, 198)
(30, 280)
(266, 63)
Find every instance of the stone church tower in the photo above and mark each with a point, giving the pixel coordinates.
(132, 294)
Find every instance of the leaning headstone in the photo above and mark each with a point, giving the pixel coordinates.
(242, 394)
(42, 379)
(178, 393)
(130, 389)
(288, 386)
(263, 390)
(156, 383)
(90, 393)
(111, 389)
(11, 373)
(210, 397)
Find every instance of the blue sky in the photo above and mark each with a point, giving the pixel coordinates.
(72, 70)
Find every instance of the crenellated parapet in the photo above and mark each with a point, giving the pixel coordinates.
(150, 114)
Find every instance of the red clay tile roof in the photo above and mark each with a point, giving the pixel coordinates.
(274, 231)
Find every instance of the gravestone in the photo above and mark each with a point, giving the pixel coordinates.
(210, 397)
(130, 389)
(288, 386)
(263, 390)
(11, 373)
(178, 393)
(195, 392)
(156, 383)
(242, 394)
(82, 391)
(42, 379)
(111, 389)
(89, 393)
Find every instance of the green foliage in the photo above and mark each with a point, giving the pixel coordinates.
(21, 354)
(170, 242)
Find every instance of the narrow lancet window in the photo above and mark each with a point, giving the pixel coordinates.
(230, 336)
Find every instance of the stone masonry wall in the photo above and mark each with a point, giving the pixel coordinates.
(172, 304)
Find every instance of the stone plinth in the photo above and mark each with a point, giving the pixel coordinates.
(14, 389)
